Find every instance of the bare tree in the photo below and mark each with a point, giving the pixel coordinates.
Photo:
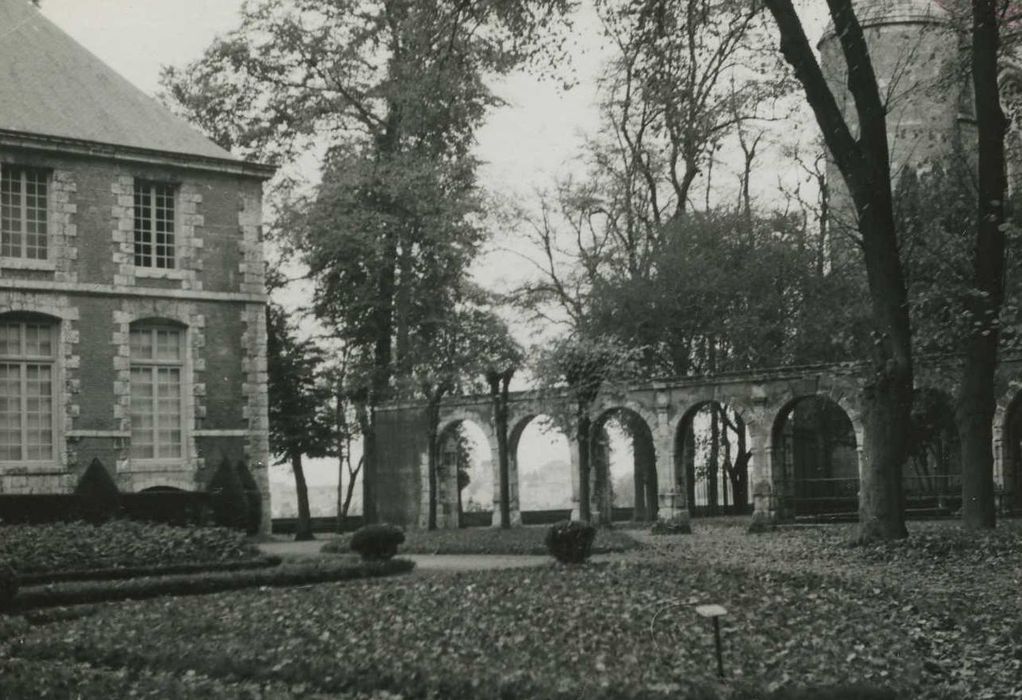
(864, 163)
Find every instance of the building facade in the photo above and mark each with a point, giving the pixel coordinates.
(132, 301)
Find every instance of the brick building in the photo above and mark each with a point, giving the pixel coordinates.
(132, 303)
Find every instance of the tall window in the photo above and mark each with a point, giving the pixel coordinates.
(154, 225)
(23, 213)
(157, 360)
(27, 390)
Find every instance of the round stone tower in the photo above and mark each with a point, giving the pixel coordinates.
(917, 58)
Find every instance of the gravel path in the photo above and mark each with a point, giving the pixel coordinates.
(423, 562)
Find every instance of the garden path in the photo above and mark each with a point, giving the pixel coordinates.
(423, 562)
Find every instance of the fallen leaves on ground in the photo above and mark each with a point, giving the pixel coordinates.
(118, 543)
(804, 609)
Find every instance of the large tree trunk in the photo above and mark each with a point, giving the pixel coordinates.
(367, 426)
(583, 433)
(864, 163)
(976, 400)
(303, 530)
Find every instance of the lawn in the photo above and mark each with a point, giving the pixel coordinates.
(939, 619)
(491, 540)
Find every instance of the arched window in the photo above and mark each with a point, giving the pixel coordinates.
(157, 405)
(28, 390)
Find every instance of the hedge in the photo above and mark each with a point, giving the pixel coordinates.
(126, 572)
(80, 592)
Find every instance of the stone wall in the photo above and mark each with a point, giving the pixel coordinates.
(91, 288)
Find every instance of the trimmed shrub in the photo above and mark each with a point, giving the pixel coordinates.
(377, 542)
(570, 542)
(253, 499)
(227, 497)
(8, 586)
(99, 499)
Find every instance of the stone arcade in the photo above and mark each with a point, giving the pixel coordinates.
(763, 399)
(916, 51)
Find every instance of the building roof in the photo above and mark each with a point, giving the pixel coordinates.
(50, 85)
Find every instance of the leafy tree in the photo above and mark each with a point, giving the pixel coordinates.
(300, 420)
(394, 89)
(976, 398)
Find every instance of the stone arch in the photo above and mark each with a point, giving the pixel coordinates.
(933, 476)
(1010, 83)
(636, 428)
(540, 487)
(1008, 430)
(713, 456)
(815, 452)
(458, 457)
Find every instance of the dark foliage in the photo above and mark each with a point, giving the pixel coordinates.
(126, 572)
(377, 542)
(227, 497)
(570, 542)
(8, 586)
(253, 499)
(99, 499)
(170, 506)
(118, 543)
(76, 593)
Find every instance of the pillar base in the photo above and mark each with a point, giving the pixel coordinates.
(672, 517)
(762, 522)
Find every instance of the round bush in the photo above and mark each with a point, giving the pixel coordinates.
(570, 542)
(377, 542)
(8, 586)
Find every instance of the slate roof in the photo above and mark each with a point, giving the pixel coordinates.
(51, 85)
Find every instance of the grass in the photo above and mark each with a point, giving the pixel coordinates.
(490, 540)
(935, 618)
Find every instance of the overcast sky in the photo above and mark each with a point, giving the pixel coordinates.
(533, 136)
